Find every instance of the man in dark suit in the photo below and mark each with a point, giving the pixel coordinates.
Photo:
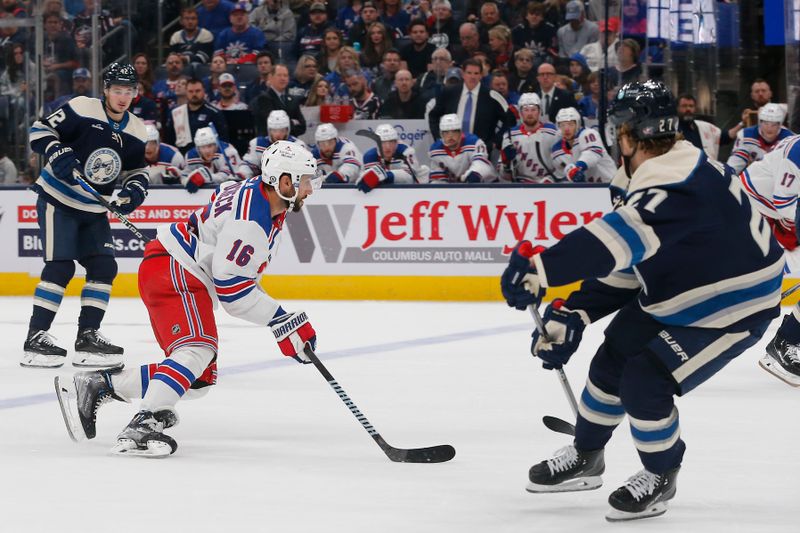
(554, 99)
(274, 98)
(483, 111)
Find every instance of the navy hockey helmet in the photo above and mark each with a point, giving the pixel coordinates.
(120, 74)
(648, 108)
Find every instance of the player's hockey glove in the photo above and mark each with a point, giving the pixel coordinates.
(473, 177)
(131, 196)
(508, 154)
(62, 161)
(577, 172)
(171, 176)
(374, 177)
(335, 177)
(196, 179)
(293, 331)
(520, 284)
(564, 329)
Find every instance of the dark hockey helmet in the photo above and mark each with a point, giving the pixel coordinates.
(648, 108)
(120, 74)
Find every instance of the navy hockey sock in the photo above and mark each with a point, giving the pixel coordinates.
(790, 327)
(49, 293)
(100, 273)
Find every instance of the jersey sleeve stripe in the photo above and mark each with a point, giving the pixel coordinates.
(228, 298)
(747, 183)
(621, 280)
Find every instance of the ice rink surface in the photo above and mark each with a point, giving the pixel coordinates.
(272, 448)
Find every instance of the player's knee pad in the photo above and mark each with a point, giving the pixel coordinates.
(58, 272)
(646, 387)
(102, 268)
(196, 359)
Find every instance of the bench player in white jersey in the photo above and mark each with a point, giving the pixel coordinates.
(773, 183)
(210, 161)
(396, 162)
(278, 125)
(579, 155)
(338, 158)
(525, 152)
(457, 157)
(165, 163)
(215, 256)
(754, 142)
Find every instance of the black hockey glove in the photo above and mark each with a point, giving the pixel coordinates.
(130, 197)
(62, 161)
(564, 329)
(519, 283)
(473, 177)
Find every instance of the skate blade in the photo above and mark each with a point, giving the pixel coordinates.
(155, 449)
(93, 360)
(66, 399)
(773, 367)
(657, 509)
(37, 360)
(575, 485)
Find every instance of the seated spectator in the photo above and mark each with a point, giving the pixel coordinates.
(587, 106)
(144, 107)
(628, 68)
(378, 42)
(60, 53)
(8, 170)
(418, 9)
(164, 89)
(214, 15)
(609, 38)
(500, 84)
(277, 98)
(264, 64)
(500, 46)
(431, 82)
(332, 43)
(577, 32)
(144, 72)
(13, 34)
(228, 95)
(82, 32)
(417, 54)
(366, 106)
(512, 12)
(459, 158)
(468, 45)
(13, 80)
(194, 43)
(241, 42)
(164, 162)
(384, 84)
(536, 34)
(395, 17)
(81, 86)
(368, 16)
(489, 18)
(310, 38)
(347, 16)
(522, 78)
(348, 60)
(405, 101)
(338, 158)
(304, 76)
(217, 68)
(441, 25)
(319, 93)
(579, 71)
(278, 23)
(56, 7)
(184, 121)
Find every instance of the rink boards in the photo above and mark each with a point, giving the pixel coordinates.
(428, 242)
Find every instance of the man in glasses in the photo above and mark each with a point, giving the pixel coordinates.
(98, 140)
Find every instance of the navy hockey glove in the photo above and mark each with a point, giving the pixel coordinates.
(577, 172)
(519, 283)
(293, 331)
(564, 329)
(335, 177)
(130, 197)
(62, 161)
(473, 177)
(509, 153)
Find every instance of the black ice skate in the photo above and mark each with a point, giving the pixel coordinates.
(569, 470)
(644, 495)
(41, 351)
(93, 350)
(144, 435)
(782, 360)
(81, 396)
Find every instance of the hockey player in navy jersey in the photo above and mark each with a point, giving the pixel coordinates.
(754, 142)
(457, 157)
(164, 162)
(338, 158)
(215, 256)
(278, 126)
(693, 287)
(396, 162)
(101, 140)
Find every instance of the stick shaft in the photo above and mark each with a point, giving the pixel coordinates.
(108, 205)
(562, 376)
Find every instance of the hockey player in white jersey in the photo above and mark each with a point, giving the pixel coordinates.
(457, 157)
(338, 158)
(396, 162)
(210, 161)
(164, 162)
(216, 256)
(773, 183)
(754, 142)
(525, 152)
(579, 155)
(278, 125)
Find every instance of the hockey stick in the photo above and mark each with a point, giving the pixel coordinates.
(549, 172)
(374, 137)
(432, 454)
(791, 290)
(553, 423)
(108, 205)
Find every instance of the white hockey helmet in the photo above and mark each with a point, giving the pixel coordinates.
(449, 122)
(526, 99)
(325, 132)
(278, 120)
(386, 132)
(286, 157)
(568, 113)
(151, 133)
(771, 113)
(204, 137)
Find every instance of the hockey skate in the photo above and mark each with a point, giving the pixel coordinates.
(644, 495)
(80, 397)
(569, 470)
(144, 435)
(41, 351)
(93, 350)
(782, 361)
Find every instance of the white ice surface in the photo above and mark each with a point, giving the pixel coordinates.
(272, 448)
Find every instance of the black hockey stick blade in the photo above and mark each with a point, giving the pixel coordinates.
(369, 135)
(559, 426)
